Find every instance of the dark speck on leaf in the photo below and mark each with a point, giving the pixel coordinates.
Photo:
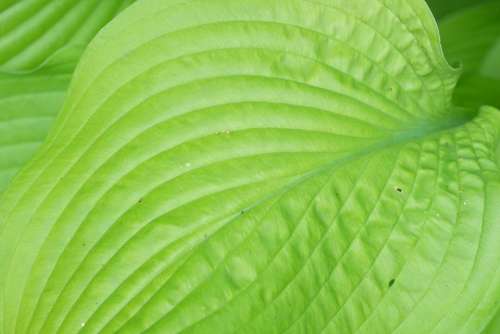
(399, 190)
(391, 282)
(140, 201)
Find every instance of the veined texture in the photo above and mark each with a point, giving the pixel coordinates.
(40, 45)
(258, 166)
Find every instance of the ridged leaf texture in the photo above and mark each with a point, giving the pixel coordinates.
(33, 31)
(29, 103)
(258, 166)
(40, 45)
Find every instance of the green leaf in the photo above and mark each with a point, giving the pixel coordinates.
(28, 105)
(494, 326)
(472, 37)
(442, 8)
(31, 31)
(258, 166)
(40, 45)
(474, 88)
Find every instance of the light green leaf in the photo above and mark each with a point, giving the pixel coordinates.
(472, 37)
(40, 45)
(494, 326)
(31, 31)
(258, 166)
(28, 105)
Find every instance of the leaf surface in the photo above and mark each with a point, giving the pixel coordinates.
(40, 45)
(28, 106)
(32, 31)
(442, 8)
(258, 167)
(471, 37)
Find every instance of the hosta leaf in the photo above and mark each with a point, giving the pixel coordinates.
(474, 87)
(494, 326)
(31, 31)
(258, 167)
(40, 45)
(29, 103)
(441, 8)
(472, 37)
